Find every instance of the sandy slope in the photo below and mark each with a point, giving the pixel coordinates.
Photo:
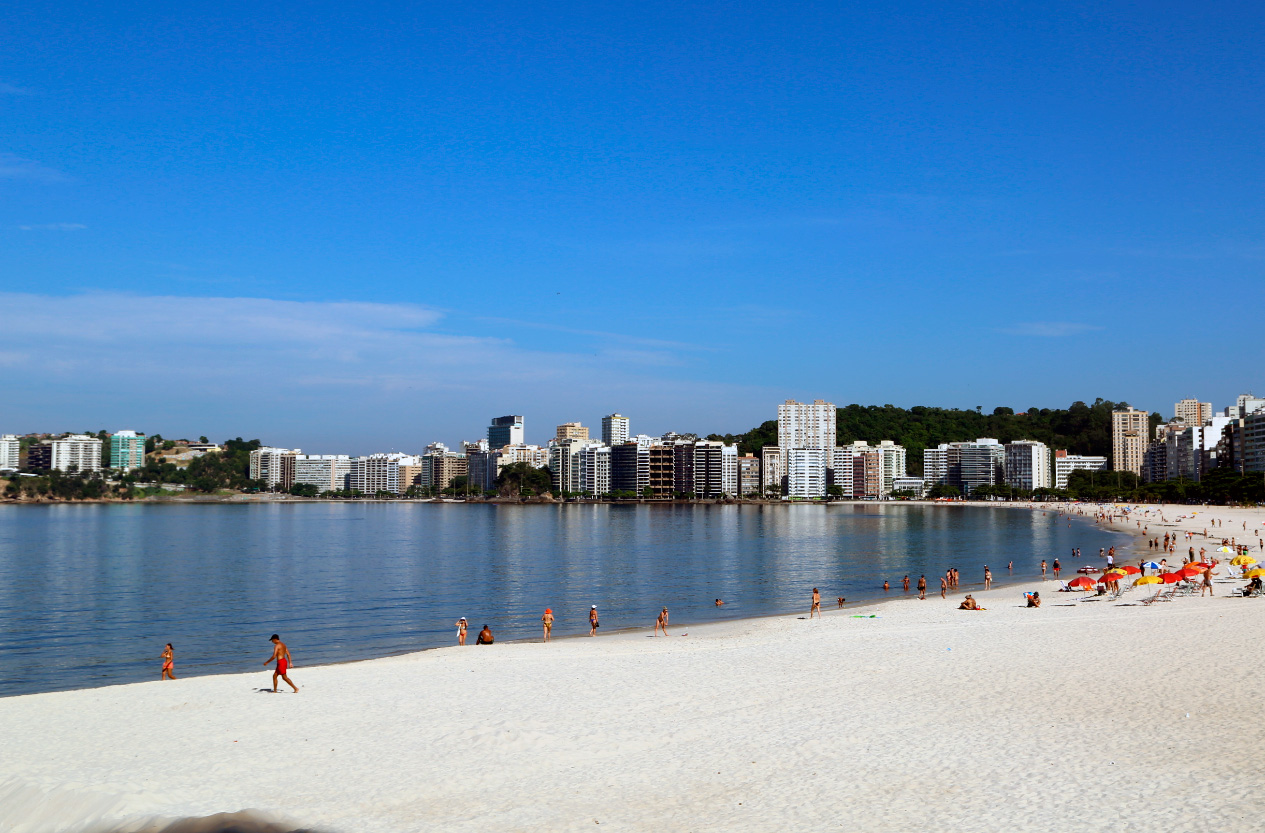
(1071, 717)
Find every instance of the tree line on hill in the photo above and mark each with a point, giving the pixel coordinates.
(1080, 428)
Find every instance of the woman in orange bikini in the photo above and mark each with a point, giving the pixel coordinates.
(168, 660)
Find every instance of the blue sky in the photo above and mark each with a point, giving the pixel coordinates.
(361, 228)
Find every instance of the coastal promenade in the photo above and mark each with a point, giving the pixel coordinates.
(1079, 715)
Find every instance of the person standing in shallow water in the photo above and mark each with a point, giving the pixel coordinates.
(593, 620)
(168, 656)
(922, 587)
(547, 621)
(282, 655)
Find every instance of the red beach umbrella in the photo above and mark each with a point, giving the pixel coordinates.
(1172, 578)
(1081, 582)
(1129, 569)
(1191, 571)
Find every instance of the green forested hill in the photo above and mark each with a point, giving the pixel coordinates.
(1081, 428)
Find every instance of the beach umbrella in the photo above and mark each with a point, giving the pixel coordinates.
(1242, 560)
(1224, 549)
(1257, 573)
(1129, 569)
(1191, 571)
(1173, 577)
(1151, 565)
(1147, 580)
(1081, 583)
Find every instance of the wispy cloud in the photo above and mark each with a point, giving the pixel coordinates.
(300, 372)
(12, 89)
(53, 227)
(1048, 329)
(15, 167)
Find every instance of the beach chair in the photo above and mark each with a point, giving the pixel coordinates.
(1165, 594)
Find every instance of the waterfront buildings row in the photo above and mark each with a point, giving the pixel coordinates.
(1197, 440)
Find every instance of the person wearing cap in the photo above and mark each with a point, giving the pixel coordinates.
(593, 620)
(547, 619)
(462, 627)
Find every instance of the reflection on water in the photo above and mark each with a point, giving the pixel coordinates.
(89, 594)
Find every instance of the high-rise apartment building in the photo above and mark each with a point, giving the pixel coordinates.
(274, 466)
(506, 430)
(1028, 465)
(662, 471)
(867, 473)
(803, 425)
(965, 465)
(1065, 464)
(571, 431)
(748, 475)
(327, 472)
(376, 473)
(630, 467)
(806, 472)
(1129, 430)
(842, 467)
(564, 462)
(594, 465)
(76, 452)
(447, 467)
(127, 450)
(614, 430)
(1192, 411)
(772, 472)
(1253, 433)
(10, 452)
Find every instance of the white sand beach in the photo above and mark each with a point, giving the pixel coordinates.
(1080, 715)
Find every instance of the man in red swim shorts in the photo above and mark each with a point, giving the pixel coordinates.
(282, 655)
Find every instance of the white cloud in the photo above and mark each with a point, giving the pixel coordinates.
(340, 375)
(1048, 329)
(53, 227)
(15, 167)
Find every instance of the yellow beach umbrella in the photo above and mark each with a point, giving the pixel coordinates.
(1147, 580)
(1242, 560)
(1257, 573)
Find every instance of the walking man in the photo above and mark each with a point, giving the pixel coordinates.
(282, 655)
(922, 587)
(593, 620)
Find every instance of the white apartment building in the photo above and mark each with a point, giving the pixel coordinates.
(729, 470)
(381, 472)
(771, 469)
(327, 472)
(842, 466)
(564, 462)
(594, 465)
(935, 464)
(77, 452)
(10, 452)
(1027, 465)
(806, 472)
(894, 459)
(614, 429)
(1065, 464)
(803, 425)
(274, 466)
(915, 485)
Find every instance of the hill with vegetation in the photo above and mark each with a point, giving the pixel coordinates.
(1080, 428)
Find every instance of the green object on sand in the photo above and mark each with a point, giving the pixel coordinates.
(859, 616)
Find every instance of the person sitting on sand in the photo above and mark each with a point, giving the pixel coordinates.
(1253, 586)
(484, 637)
(1034, 598)
(969, 603)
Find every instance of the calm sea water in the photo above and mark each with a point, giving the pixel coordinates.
(89, 594)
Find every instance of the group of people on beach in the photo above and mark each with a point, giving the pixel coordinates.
(280, 655)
